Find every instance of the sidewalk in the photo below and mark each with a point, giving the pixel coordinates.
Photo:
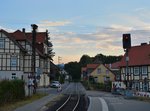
(38, 104)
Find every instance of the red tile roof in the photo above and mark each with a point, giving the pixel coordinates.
(40, 37)
(93, 66)
(138, 55)
(83, 69)
(115, 65)
(18, 35)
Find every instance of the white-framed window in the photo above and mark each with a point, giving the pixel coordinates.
(98, 70)
(136, 70)
(2, 42)
(144, 70)
(13, 61)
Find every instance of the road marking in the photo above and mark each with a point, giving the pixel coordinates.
(104, 105)
(89, 105)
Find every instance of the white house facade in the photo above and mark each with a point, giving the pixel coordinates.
(16, 56)
(139, 68)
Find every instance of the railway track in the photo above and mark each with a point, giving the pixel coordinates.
(71, 102)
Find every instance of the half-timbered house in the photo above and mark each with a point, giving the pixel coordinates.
(138, 75)
(16, 56)
(11, 57)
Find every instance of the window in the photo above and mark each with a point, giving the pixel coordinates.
(144, 70)
(13, 61)
(13, 76)
(106, 78)
(136, 70)
(2, 43)
(98, 70)
(107, 72)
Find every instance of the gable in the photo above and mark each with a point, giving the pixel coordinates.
(101, 70)
(7, 45)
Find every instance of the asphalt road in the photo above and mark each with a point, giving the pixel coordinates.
(108, 102)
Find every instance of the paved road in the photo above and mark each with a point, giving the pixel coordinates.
(101, 101)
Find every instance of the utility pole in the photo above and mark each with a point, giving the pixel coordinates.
(127, 69)
(33, 59)
(127, 46)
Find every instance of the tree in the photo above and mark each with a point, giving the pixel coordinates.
(51, 54)
(107, 59)
(74, 69)
(84, 60)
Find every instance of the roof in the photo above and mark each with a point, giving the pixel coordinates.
(18, 35)
(114, 65)
(41, 37)
(93, 66)
(138, 55)
(83, 69)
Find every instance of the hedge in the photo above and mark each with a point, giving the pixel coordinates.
(11, 91)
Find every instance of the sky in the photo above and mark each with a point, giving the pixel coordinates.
(78, 27)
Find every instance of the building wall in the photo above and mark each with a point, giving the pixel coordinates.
(44, 80)
(16, 64)
(102, 74)
(11, 75)
(137, 80)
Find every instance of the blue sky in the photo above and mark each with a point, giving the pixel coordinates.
(80, 27)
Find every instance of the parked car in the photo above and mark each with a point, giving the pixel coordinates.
(55, 84)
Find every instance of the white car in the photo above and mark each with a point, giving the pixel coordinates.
(55, 84)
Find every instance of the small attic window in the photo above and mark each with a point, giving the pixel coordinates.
(98, 70)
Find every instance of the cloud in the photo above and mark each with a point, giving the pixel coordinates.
(53, 24)
(7, 29)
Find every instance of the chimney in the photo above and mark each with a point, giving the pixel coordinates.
(23, 30)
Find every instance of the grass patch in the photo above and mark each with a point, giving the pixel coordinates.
(14, 105)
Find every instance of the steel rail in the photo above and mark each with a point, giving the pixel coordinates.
(78, 99)
(65, 103)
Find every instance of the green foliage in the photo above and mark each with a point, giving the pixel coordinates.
(107, 59)
(11, 91)
(74, 70)
(84, 60)
(61, 79)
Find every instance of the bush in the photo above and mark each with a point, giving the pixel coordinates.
(11, 91)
